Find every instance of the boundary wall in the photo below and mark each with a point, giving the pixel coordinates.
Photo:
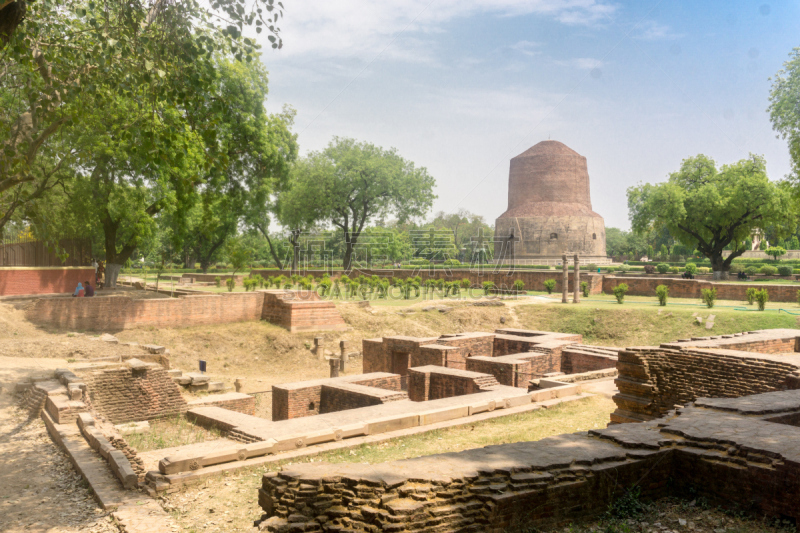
(18, 281)
(283, 308)
(692, 288)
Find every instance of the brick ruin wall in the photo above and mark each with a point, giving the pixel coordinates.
(15, 281)
(574, 361)
(119, 312)
(344, 396)
(126, 395)
(241, 403)
(555, 481)
(293, 400)
(652, 381)
(434, 383)
(692, 288)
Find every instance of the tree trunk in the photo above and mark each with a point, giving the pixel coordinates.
(347, 262)
(112, 273)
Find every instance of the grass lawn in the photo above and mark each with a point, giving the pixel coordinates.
(169, 432)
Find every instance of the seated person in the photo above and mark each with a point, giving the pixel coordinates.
(88, 290)
(78, 291)
(742, 275)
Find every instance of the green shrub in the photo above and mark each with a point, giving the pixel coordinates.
(762, 297)
(217, 281)
(585, 289)
(452, 262)
(703, 270)
(735, 269)
(751, 271)
(591, 267)
(519, 285)
(231, 283)
(623, 268)
(691, 268)
(465, 283)
(768, 270)
(662, 268)
(662, 293)
(488, 286)
(674, 270)
(620, 291)
(750, 295)
(549, 284)
(709, 297)
(785, 270)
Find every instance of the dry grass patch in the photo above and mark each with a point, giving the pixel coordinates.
(170, 432)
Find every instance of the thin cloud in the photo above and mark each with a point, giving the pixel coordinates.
(654, 31)
(529, 48)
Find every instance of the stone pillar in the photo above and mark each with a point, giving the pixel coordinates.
(343, 355)
(576, 281)
(564, 279)
(319, 349)
(334, 362)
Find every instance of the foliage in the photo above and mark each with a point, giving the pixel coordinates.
(488, 287)
(711, 209)
(217, 281)
(785, 270)
(768, 270)
(629, 505)
(662, 293)
(761, 297)
(662, 268)
(230, 283)
(620, 291)
(751, 271)
(519, 285)
(585, 289)
(750, 294)
(465, 283)
(709, 297)
(784, 109)
(549, 285)
(775, 252)
(690, 268)
(350, 183)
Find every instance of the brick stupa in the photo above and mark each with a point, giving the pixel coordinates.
(550, 209)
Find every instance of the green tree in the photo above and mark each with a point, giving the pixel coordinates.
(709, 209)
(784, 108)
(61, 61)
(775, 251)
(350, 183)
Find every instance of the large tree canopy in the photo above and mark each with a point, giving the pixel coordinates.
(61, 61)
(710, 209)
(351, 183)
(784, 109)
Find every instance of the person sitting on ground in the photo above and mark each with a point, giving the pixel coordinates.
(78, 291)
(88, 290)
(742, 276)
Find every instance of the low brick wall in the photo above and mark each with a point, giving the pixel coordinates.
(654, 380)
(436, 382)
(127, 395)
(114, 313)
(556, 481)
(16, 281)
(692, 288)
(574, 360)
(304, 398)
(343, 396)
(232, 401)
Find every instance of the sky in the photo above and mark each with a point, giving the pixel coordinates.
(462, 86)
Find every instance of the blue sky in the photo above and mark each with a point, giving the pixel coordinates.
(462, 86)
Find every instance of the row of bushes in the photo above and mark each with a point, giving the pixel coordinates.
(709, 296)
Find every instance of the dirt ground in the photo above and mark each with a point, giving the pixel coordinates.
(39, 490)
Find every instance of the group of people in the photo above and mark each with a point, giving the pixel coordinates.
(85, 288)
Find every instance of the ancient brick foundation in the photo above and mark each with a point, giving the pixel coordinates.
(129, 394)
(558, 479)
(294, 310)
(305, 398)
(15, 281)
(512, 356)
(435, 382)
(653, 380)
(232, 401)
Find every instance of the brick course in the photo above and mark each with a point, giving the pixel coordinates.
(15, 281)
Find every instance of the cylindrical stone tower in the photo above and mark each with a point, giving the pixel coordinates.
(549, 209)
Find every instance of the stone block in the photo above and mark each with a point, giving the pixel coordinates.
(216, 386)
(441, 415)
(198, 378)
(154, 348)
(133, 427)
(174, 373)
(392, 423)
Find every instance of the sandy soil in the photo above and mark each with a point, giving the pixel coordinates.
(39, 490)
